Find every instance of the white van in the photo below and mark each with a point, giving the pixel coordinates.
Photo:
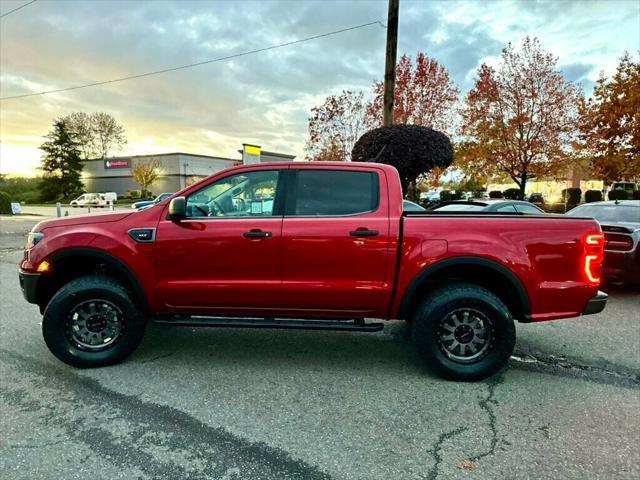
(89, 200)
(110, 197)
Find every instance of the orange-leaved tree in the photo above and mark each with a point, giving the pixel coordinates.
(335, 126)
(521, 118)
(610, 124)
(424, 95)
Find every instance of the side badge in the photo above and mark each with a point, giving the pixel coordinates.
(143, 235)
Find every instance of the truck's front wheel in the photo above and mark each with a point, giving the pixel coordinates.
(92, 322)
(464, 332)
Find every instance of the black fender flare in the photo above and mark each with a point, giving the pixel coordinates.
(434, 268)
(118, 264)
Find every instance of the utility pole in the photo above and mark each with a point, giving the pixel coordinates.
(390, 63)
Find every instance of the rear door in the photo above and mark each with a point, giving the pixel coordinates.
(336, 240)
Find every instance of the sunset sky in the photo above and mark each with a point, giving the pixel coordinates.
(263, 98)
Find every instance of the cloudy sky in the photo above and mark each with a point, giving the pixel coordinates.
(263, 98)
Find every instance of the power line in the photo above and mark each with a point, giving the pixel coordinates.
(17, 8)
(191, 65)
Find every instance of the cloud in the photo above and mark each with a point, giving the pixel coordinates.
(264, 98)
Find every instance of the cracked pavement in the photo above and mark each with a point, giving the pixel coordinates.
(249, 404)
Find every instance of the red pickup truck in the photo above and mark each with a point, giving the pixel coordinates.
(315, 246)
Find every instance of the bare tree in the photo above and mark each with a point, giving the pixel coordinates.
(96, 134)
(109, 134)
(81, 129)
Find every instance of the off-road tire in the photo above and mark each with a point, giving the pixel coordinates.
(442, 303)
(57, 319)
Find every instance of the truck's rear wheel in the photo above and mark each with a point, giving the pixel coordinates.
(92, 322)
(464, 332)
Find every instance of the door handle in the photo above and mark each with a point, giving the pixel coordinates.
(364, 232)
(257, 233)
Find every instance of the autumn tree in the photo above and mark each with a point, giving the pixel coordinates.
(146, 173)
(61, 163)
(520, 118)
(332, 152)
(96, 134)
(336, 125)
(430, 180)
(610, 124)
(424, 95)
(414, 150)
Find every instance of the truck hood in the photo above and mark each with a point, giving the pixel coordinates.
(82, 220)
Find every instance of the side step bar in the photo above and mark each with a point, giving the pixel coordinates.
(357, 325)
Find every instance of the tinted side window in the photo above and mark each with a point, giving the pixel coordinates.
(335, 192)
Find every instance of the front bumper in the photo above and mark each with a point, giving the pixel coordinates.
(595, 304)
(29, 285)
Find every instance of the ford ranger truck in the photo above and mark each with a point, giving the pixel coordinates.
(322, 246)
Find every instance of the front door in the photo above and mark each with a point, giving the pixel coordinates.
(226, 255)
(336, 242)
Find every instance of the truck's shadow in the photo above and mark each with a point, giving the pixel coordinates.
(258, 348)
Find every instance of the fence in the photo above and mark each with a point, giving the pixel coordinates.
(59, 207)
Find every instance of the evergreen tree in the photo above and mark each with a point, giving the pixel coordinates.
(61, 163)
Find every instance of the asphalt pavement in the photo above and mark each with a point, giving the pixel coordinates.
(261, 404)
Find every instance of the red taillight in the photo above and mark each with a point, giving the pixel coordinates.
(618, 242)
(593, 255)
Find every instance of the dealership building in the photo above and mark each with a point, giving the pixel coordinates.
(176, 170)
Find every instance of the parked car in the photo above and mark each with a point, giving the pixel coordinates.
(409, 206)
(620, 222)
(89, 200)
(628, 187)
(495, 206)
(147, 203)
(536, 198)
(315, 246)
(430, 196)
(110, 197)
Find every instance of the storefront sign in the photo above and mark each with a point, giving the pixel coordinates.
(250, 154)
(116, 163)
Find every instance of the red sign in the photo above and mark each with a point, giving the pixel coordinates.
(119, 163)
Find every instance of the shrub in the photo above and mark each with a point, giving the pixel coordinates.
(412, 149)
(636, 195)
(592, 196)
(513, 194)
(571, 196)
(495, 194)
(618, 194)
(5, 203)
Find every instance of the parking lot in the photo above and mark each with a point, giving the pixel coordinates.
(261, 404)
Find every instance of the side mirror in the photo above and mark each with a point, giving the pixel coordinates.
(177, 209)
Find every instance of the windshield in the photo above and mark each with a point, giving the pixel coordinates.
(161, 197)
(408, 206)
(608, 213)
